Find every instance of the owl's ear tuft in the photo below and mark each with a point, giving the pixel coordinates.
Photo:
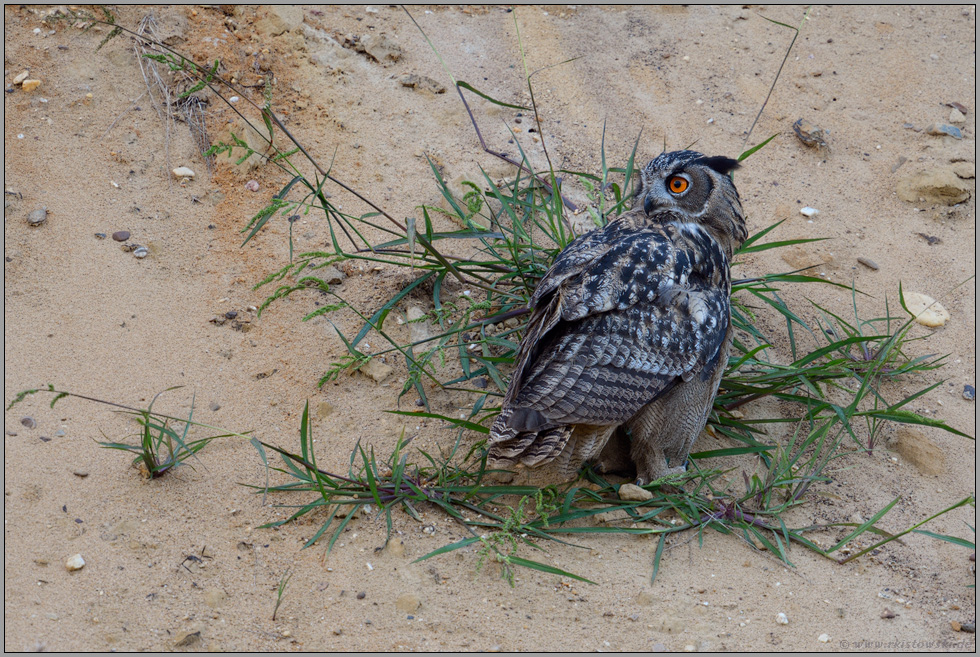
(723, 165)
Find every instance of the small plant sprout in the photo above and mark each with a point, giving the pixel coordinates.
(281, 591)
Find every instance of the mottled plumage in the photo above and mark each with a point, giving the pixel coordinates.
(630, 328)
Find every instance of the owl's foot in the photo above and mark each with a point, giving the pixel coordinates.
(646, 478)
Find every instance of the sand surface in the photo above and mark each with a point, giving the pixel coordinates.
(180, 563)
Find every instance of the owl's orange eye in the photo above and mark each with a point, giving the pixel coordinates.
(677, 184)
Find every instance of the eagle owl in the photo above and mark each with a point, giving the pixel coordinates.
(630, 330)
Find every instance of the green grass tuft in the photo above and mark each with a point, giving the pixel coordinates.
(832, 388)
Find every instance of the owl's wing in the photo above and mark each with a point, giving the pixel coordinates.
(612, 332)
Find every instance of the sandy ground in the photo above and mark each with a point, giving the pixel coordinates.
(179, 563)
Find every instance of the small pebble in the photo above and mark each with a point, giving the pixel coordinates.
(927, 311)
(20, 77)
(809, 212)
(782, 619)
(969, 628)
(141, 252)
(80, 473)
(252, 185)
(75, 562)
(30, 85)
(633, 493)
(888, 613)
(214, 406)
(940, 129)
(100, 236)
(810, 134)
(331, 275)
(824, 638)
(407, 603)
(361, 595)
(186, 639)
(956, 116)
(28, 422)
(37, 217)
(969, 392)
(231, 314)
(870, 264)
(121, 235)
(183, 172)
(959, 107)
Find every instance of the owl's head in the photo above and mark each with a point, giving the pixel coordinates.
(688, 187)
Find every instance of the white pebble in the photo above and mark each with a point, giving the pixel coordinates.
(371, 10)
(824, 638)
(233, 99)
(183, 172)
(782, 619)
(20, 78)
(809, 212)
(37, 30)
(927, 311)
(370, 567)
(75, 562)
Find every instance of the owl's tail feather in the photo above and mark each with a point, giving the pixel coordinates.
(508, 446)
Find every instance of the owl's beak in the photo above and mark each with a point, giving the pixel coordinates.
(657, 200)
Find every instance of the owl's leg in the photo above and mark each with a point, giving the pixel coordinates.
(651, 437)
(677, 453)
(651, 464)
(584, 444)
